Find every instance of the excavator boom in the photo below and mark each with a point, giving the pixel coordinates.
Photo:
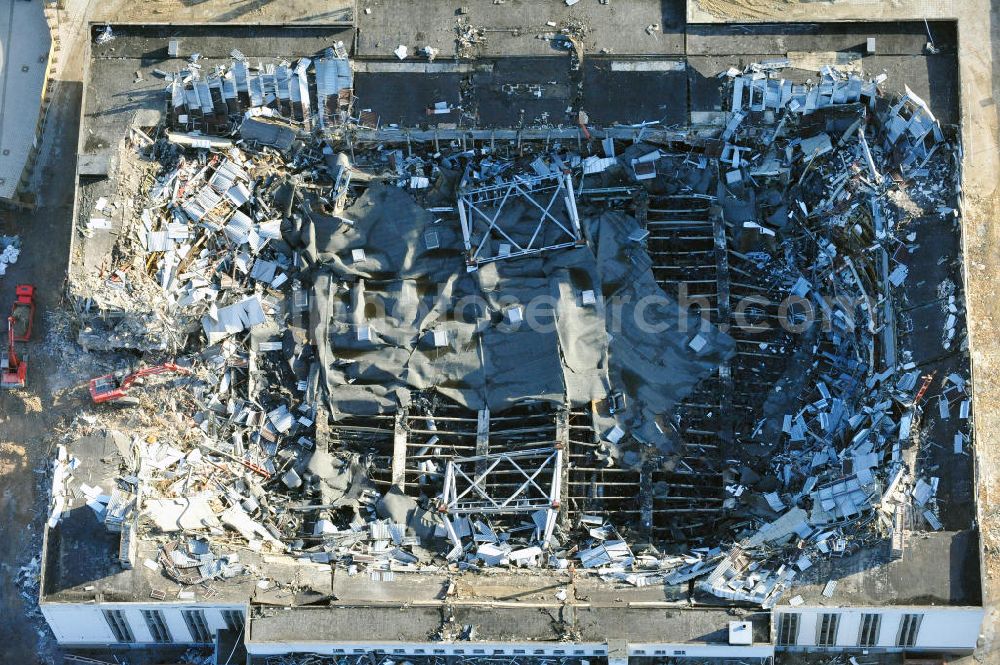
(13, 370)
(109, 388)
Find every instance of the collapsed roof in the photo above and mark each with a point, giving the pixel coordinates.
(460, 356)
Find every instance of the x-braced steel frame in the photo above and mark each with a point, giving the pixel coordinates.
(480, 211)
(536, 485)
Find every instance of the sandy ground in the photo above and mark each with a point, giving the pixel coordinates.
(27, 418)
(225, 11)
(980, 75)
(56, 384)
(722, 11)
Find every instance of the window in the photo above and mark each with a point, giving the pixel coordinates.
(870, 624)
(908, 628)
(197, 626)
(157, 626)
(827, 634)
(788, 629)
(233, 619)
(119, 625)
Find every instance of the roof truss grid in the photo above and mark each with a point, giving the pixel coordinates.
(551, 213)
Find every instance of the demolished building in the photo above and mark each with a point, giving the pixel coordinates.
(462, 395)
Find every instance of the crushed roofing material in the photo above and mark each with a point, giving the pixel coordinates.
(379, 343)
(487, 362)
(315, 90)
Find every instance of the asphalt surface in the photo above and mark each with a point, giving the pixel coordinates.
(28, 417)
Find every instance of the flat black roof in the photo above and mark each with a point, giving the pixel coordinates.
(553, 623)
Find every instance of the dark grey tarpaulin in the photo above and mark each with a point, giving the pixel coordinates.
(267, 133)
(658, 352)
(395, 310)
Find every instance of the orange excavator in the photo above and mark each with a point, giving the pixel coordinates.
(14, 367)
(114, 387)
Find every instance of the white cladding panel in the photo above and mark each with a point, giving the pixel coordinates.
(941, 628)
(807, 628)
(177, 626)
(889, 629)
(849, 630)
(140, 629)
(214, 619)
(77, 624)
(954, 628)
(85, 623)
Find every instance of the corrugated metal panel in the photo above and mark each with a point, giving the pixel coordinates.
(281, 77)
(256, 91)
(301, 80)
(242, 74)
(326, 78)
(229, 86)
(345, 76)
(238, 228)
(192, 99)
(177, 94)
(205, 96)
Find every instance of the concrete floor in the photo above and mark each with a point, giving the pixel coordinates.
(512, 27)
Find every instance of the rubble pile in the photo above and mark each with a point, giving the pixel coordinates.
(317, 300)
(214, 100)
(10, 250)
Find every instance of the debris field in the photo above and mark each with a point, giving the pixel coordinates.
(681, 357)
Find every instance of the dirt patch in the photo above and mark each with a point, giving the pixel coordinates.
(747, 10)
(13, 457)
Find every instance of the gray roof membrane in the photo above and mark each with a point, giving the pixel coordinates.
(375, 313)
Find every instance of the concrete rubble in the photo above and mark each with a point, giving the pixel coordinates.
(255, 242)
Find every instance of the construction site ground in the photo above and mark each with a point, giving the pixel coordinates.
(30, 420)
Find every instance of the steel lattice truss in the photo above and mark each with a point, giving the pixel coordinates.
(552, 214)
(525, 481)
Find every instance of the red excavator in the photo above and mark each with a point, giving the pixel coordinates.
(23, 312)
(13, 370)
(114, 387)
